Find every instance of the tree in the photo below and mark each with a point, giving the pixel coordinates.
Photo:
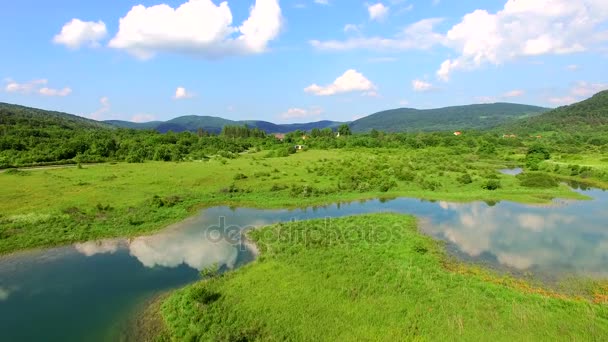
(344, 130)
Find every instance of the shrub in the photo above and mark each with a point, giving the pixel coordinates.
(465, 179)
(537, 180)
(278, 187)
(405, 175)
(169, 201)
(491, 184)
(239, 176)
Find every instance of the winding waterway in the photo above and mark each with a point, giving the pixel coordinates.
(86, 292)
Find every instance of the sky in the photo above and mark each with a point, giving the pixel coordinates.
(297, 60)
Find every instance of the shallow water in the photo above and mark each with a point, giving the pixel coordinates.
(513, 172)
(88, 290)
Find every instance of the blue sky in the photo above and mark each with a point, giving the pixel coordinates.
(297, 61)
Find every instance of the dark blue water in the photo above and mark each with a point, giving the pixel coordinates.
(87, 291)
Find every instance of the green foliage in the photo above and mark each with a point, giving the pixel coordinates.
(239, 176)
(587, 116)
(465, 179)
(537, 180)
(210, 271)
(344, 130)
(458, 118)
(368, 278)
(491, 184)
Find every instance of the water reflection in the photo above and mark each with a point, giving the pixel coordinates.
(565, 237)
(47, 288)
(4, 293)
(513, 172)
(552, 241)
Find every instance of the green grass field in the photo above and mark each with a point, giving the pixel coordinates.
(348, 282)
(58, 206)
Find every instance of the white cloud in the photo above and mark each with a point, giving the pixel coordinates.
(523, 28)
(514, 93)
(404, 102)
(350, 81)
(573, 67)
(24, 88)
(377, 11)
(55, 92)
(143, 118)
(197, 27)
(586, 89)
(418, 36)
(579, 91)
(77, 33)
(322, 2)
(181, 93)
(36, 86)
(421, 86)
(299, 113)
(563, 100)
(105, 107)
(351, 28)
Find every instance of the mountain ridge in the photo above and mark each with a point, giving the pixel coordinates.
(474, 116)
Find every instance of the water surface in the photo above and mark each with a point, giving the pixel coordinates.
(85, 292)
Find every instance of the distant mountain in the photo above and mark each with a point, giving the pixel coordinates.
(477, 116)
(13, 115)
(214, 124)
(587, 115)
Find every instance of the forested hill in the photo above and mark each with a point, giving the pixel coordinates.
(32, 118)
(478, 116)
(214, 125)
(587, 115)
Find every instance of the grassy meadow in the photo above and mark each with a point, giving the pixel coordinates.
(371, 277)
(47, 207)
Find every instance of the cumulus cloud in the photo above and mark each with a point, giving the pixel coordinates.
(421, 86)
(36, 87)
(350, 81)
(523, 28)
(514, 93)
(105, 107)
(300, 113)
(377, 11)
(143, 118)
(77, 33)
(55, 92)
(417, 36)
(181, 93)
(197, 27)
(579, 91)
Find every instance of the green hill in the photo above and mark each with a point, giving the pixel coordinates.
(478, 116)
(33, 118)
(30, 136)
(214, 124)
(587, 115)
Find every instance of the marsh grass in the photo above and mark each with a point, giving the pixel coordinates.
(345, 290)
(149, 196)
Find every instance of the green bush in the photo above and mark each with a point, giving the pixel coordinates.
(491, 184)
(239, 176)
(537, 180)
(465, 179)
